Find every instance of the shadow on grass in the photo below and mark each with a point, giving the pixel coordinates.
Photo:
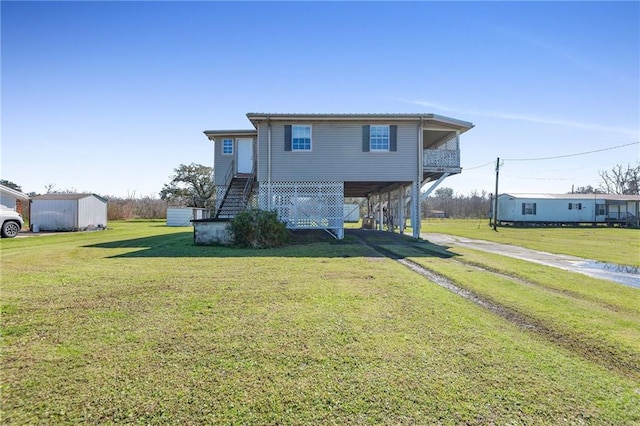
(357, 243)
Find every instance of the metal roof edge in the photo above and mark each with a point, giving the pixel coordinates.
(255, 116)
(13, 192)
(68, 196)
(211, 134)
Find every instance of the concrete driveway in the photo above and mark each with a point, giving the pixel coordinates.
(627, 275)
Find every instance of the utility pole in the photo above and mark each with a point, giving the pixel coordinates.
(495, 198)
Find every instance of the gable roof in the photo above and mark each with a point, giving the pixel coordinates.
(13, 192)
(67, 196)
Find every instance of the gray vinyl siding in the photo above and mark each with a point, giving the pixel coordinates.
(222, 162)
(336, 154)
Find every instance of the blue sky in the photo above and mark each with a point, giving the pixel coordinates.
(110, 97)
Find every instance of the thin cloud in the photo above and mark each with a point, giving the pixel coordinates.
(591, 68)
(527, 118)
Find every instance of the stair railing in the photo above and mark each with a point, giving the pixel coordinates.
(248, 187)
(229, 175)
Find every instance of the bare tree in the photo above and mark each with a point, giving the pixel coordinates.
(621, 181)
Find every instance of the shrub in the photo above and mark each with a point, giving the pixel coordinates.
(258, 229)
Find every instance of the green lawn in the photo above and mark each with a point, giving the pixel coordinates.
(136, 325)
(616, 245)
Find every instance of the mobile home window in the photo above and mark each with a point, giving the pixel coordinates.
(601, 210)
(528, 208)
(301, 138)
(575, 206)
(227, 146)
(379, 138)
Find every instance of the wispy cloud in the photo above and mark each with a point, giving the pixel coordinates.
(526, 117)
(562, 52)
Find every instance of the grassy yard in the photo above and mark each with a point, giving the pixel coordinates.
(616, 245)
(136, 325)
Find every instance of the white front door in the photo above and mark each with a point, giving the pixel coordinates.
(245, 155)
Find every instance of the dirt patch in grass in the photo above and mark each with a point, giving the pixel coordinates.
(589, 349)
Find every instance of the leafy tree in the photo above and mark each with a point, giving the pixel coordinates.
(191, 185)
(621, 181)
(443, 192)
(10, 184)
(586, 190)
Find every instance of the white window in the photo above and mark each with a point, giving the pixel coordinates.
(301, 138)
(227, 146)
(601, 209)
(575, 206)
(379, 138)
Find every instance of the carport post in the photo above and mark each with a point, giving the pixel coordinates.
(380, 212)
(401, 210)
(415, 209)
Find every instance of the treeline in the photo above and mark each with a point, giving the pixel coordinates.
(443, 203)
(125, 208)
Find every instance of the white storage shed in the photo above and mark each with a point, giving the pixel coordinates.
(351, 212)
(68, 212)
(182, 216)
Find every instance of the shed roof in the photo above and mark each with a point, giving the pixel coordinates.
(616, 197)
(67, 196)
(13, 192)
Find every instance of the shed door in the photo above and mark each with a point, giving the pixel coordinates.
(245, 155)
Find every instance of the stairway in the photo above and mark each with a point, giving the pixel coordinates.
(233, 201)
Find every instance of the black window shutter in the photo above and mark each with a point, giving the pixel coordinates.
(534, 208)
(393, 138)
(287, 137)
(570, 206)
(523, 208)
(365, 138)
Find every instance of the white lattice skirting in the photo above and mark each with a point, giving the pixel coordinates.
(220, 191)
(305, 205)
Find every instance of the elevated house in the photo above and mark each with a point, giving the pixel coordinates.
(568, 209)
(304, 165)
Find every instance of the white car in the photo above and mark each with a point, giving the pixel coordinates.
(11, 222)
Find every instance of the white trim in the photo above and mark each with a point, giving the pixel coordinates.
(388, 138)
(310, 138)
(13, 192)
(251, 153)
(232, 146)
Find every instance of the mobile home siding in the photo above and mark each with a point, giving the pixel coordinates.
(55, 215)
(92, 213)
(337, 154)
(510, 209)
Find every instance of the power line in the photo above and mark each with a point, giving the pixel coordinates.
(490, 163)
(482, 165)
(571, 155)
